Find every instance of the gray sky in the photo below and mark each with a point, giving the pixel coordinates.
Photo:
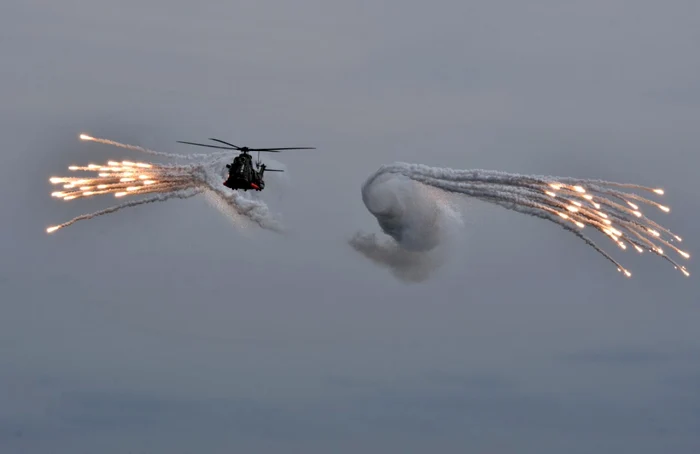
(164, 329)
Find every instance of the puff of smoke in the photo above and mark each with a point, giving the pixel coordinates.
(420, 221)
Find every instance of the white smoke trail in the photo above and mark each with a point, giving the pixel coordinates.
(152, 152)
(131, 203)
(166, 181)
(568, 202)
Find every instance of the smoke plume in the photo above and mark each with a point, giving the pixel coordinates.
(419, 220)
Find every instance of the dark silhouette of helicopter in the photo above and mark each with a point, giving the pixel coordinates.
(241, 173)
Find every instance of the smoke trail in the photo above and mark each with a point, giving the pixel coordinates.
(153, 152)
(127, 178)
(132, 203)
(131, 147)
(414, 223)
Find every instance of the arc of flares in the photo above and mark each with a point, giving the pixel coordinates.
(564, 201)
(158, 182)
(125, 178)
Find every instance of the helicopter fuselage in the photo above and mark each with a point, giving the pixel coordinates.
(242, 174)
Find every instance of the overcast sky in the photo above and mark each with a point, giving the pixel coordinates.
(165, 329)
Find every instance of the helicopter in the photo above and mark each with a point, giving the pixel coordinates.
(241, 174)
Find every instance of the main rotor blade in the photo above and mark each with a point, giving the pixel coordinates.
(273, 170)
(205, 145)
(278, 149)
(226, 143)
